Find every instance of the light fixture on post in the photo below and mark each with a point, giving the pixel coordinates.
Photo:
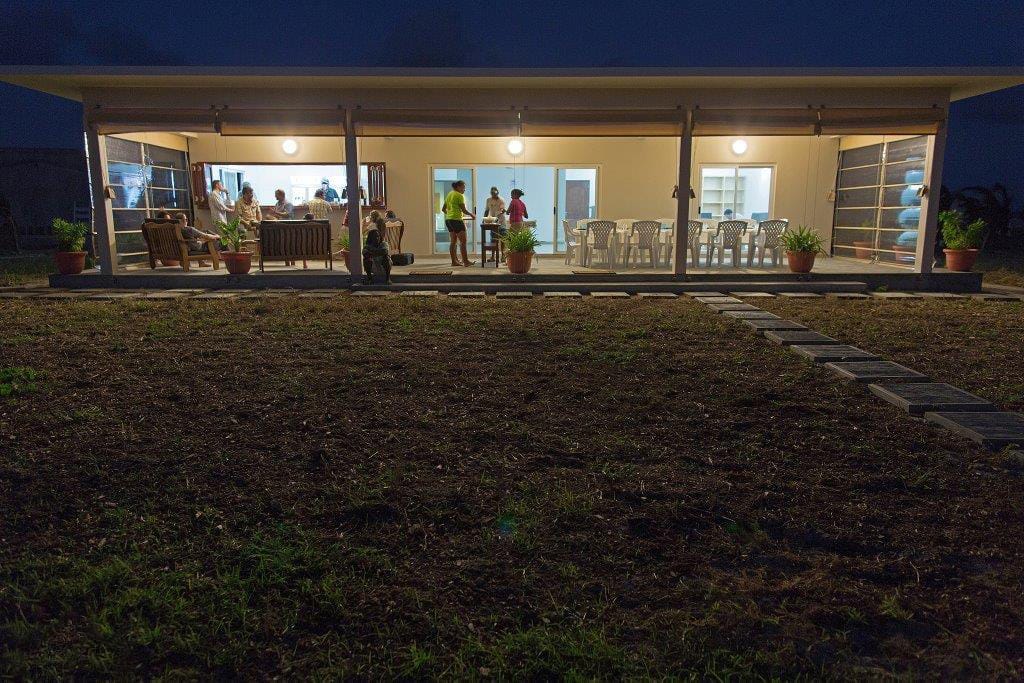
(739, 146)
(515, 146)
(289, 147)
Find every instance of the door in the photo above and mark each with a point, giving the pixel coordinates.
(441, 184)
(576, 199)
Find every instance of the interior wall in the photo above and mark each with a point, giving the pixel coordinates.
(636, 175)
(168, 140)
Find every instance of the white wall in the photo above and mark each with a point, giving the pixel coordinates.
(635, 180)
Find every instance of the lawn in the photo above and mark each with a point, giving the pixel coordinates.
(25, 269)
(447, 488)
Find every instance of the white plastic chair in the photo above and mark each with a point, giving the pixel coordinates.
(572, 246)
(768, 238)
(600, 239)
(643, 235)
(728, 236)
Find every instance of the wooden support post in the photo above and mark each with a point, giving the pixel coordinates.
(355, 219)
(102, 215)
(680, 250)
(928, 225)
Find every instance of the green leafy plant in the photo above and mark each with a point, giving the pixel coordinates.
(231, 233)
(803, 239)
(521, 241)
(957, 234)
(18, 380)
(344, 241)
(70, 236)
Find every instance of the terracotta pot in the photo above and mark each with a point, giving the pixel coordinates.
(70, 262)
(169, 262)
(347, 256)
(800, 261)
(960, 260)
(862, 250)
(237, 262)
(519, 262)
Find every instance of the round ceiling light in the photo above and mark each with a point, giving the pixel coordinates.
(515, 147)
(289, 146)
(739, 146)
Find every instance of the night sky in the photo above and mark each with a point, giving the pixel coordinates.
(986, 141)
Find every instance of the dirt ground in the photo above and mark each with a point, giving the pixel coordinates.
(466, 488)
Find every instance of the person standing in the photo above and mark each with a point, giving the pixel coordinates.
(219, 206)
(283, 209)
(318, 206)
(455, 210)
(517, 214)
(330, 194)
(248, 209)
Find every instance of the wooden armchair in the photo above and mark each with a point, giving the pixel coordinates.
(291, 241)
(393, 233)
(164, 241)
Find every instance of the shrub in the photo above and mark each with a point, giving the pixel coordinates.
(70, 236)
(803, 239)
(344, 241)
(522, 240)
(956, 235)
(231, 233)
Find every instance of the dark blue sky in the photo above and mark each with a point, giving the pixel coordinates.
(986, 133)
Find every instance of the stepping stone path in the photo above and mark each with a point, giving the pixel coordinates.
(657, 295)
(986, 296)
(847, 295)
(832, 353)
(420, 292)
(562, 295)
(514, 295)
(265, 294)
(466, 294)
(762, 325)
(788, 338)
(942, 295)
(320, 295)
(918, 399)
(609, 295)
(17, 295)
(109, 296)
(165, 295)
(800, 295)
(753, 295)
(992, 430)
(371, 292)
(751, 315)
(875, 371)
(64, 295)
(894, 295)
(718, 299)
(695, 295)
(732, 307)
(217, 295)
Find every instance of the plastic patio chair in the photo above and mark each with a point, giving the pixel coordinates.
(728, 236)
(645, 233)
(600, 240)
(572, 245)
(769, 234)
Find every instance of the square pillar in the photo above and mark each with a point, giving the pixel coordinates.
(355, 220)
(928, 226)
(102, 215)
(680, 251)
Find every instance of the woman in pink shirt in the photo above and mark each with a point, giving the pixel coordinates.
(517, 210)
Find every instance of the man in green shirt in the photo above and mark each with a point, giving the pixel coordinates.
(454, 209)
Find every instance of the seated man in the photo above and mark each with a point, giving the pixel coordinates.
(376, 260)
(196, 238)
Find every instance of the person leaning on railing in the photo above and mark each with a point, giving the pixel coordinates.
(247, 209)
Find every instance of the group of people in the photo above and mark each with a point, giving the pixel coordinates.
(247, 207)
(456, 212)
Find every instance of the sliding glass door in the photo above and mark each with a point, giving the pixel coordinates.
(441, 185)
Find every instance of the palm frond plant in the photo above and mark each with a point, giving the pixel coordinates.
(802, 246)
(232, 234)
(962, 239)
(519, 247)
(70, 235)
(344, 241)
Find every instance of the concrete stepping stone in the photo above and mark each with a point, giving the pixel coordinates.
(265, 294)
(941, 295)
(832, 353)
(514, 295)
(110, 296)
(751, 315)
(466, 294)
(894, 295)
(876, 371)
(18, 295)
(721, 308)
(64, 295)
(562, 295)
(218, 295)
(753, 295)
(609, 295)
(989, 296)
(694, 295)
(800, 295)
(657, 295)
(847, 295)
(790, 337)
(187, 290)
(717, 299)
(990, 429)
(928, 397)
(761, 325)
(371, 292)
(165, 295)
(319, 295)
(420, 292)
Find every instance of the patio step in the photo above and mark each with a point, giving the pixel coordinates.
(572, 284)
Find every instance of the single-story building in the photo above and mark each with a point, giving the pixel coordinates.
(855, 154)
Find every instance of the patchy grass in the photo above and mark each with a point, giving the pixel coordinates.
(25, 269)
(975, 345)
(463, 489)
(1005, 265)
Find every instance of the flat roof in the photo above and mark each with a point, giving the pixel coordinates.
(70, 81)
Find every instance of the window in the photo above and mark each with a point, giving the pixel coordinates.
(736, 192)
(145, 179)
(299, 181)
(878, 205)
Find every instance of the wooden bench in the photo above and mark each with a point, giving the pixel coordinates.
(291, 241)
(164, 241)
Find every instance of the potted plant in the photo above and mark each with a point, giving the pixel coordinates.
(962, 241)
(70, 256)
(232, 233)
(519, 247)
(802, 246)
